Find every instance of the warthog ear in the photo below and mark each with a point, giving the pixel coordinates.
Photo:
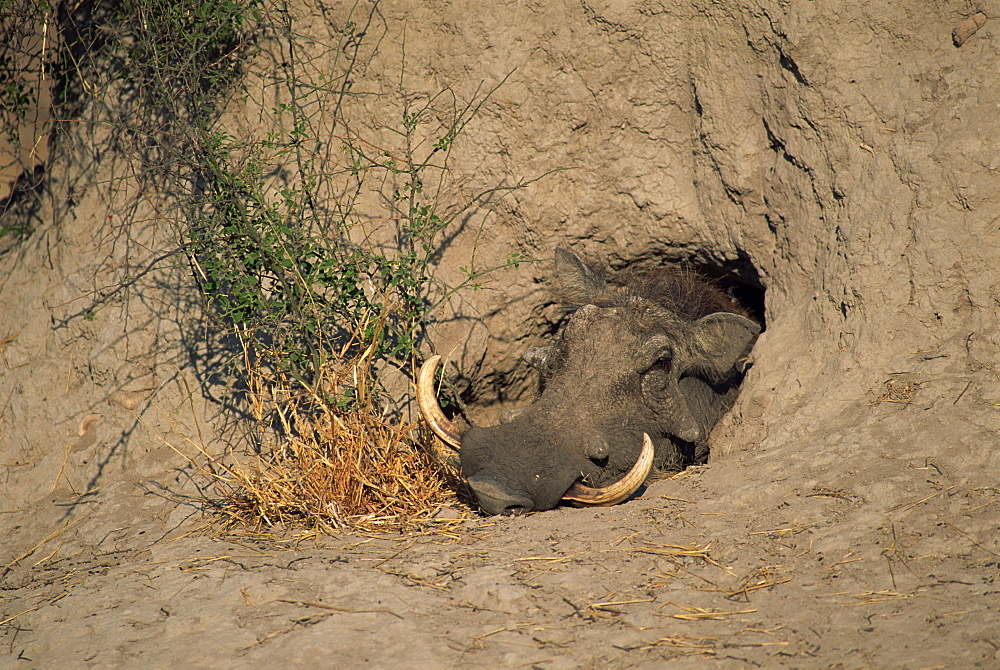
(579, 282)
(720, 340)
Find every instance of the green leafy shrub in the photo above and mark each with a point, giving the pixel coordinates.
(312, 239)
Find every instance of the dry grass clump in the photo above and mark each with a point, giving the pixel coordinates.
(335, 464)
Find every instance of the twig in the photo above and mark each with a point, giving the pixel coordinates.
(11, 618)
(342, 610)
(909, 506)
(121, 287)
(966, 536)
(7, 568)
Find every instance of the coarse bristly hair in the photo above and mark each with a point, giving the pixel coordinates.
(684, 292)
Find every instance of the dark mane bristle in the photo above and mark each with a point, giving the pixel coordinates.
(684, 292)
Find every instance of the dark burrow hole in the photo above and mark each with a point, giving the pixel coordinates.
(742, 284)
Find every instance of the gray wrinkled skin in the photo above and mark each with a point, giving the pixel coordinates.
(657, 353)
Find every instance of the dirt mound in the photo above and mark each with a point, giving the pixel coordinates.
(836, 159)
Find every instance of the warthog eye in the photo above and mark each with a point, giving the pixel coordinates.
(656, 353)
(657, 368)
(663, 363)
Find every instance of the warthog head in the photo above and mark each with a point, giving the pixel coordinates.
(647, 363)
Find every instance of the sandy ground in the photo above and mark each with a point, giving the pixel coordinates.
(852, 549)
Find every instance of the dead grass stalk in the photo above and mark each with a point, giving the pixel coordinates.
(332, 459)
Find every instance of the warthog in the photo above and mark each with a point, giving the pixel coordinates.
(642, 370)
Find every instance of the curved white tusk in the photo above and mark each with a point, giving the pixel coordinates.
(620, 490)
(429, 407)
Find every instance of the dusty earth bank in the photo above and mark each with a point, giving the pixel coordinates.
(837, 156)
